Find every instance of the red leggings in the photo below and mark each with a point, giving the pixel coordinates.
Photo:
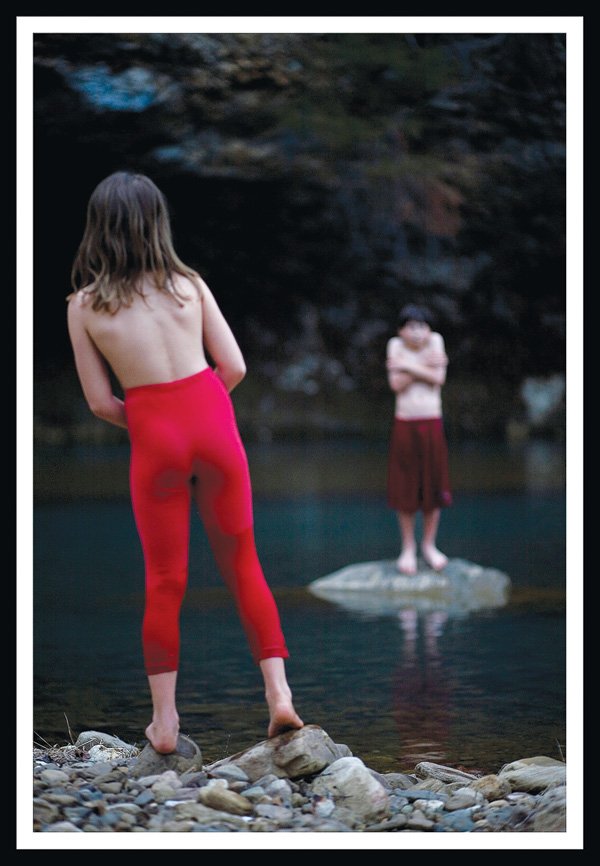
(184, 443)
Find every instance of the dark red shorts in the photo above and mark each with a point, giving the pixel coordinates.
(418, 466)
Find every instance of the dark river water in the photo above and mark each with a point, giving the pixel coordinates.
(474, 690)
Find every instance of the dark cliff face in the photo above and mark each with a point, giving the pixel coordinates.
(320, 181)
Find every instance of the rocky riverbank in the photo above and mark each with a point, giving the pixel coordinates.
(298, 782)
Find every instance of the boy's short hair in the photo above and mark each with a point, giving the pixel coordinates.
(415, 313)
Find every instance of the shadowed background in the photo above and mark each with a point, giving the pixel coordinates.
(318, 182)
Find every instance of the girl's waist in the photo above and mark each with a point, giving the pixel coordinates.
(171, 386)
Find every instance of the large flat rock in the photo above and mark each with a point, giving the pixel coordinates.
(379, 588)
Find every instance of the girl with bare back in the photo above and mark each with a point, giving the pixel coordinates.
(139, 310)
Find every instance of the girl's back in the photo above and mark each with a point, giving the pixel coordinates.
(157, 338)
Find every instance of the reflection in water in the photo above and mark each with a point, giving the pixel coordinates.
(422, 697)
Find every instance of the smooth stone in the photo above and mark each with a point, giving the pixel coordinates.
(60, 799)
(177, 826)
(281, 792)
(279, 814)
(398, 780)
(76, 813)
(89, 794)
(225, 800)
(186, 756)
(263, 825)
(348, 781)
(462, 799)
(550, 813)
(254, 793)
(144, 798)
(216, 783)
(265, 781)
(418, 821)
(44, 812)
(527, 801)
(162, 792)
(63, 827)
(429, 806)
(205, 815)
(96, 769)
(291, 755)
(193, 778)
(110, 787)
(322, 806)
(102, 754)
(442, 773)
(534, 774)
(460, 821)
(378, 588)
(418, 793)
(184, 794)
(130, 808)
(492, 787)
(109, 819)
(506, 818)
(435, 785)
(54, 777)
(87, 739)
(231, 772)
(398, 822)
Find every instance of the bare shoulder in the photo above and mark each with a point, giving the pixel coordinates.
(78, 302)
(394, 345)
(191, 289)
(436, 341)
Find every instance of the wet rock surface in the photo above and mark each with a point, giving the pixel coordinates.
(379, 588)
(301, 781)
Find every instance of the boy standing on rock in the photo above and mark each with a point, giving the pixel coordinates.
(418, 457)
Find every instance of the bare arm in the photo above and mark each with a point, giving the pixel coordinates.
(92, 370)
(398, 379)
(220, 342)
(431, 368)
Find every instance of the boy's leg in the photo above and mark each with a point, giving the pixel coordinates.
(407, 561)
(432, 556)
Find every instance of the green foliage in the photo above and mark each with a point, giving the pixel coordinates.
(355, 85)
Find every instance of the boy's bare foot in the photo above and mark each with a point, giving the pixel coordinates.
(434, 557)
(407, 562)
(163, 735)
(283, 716)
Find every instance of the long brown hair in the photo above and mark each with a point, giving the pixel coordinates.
(127, 236)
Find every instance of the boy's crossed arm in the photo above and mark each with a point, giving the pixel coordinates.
(403, 370)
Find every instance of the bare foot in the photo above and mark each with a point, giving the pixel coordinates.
(163, 735)
(434, 557)
(407, 562)
(283, 716)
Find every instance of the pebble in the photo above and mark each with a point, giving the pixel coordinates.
(54, 777)
(78, 797)
(60, 799)
(418, 821)
(225, 800)
(144, 798)
(459, 821)
(64, 827)
(231, 773)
